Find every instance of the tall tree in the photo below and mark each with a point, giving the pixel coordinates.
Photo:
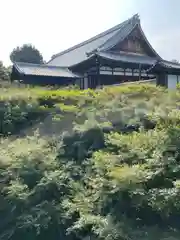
(4, 72)
(26, 53)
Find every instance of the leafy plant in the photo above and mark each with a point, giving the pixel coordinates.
(108, 170)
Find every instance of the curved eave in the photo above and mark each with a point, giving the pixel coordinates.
(166, 67)
(115, 60)
(170, 65)
(127, 60)
(148, 43)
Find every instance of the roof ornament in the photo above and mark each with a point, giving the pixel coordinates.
(136, 18)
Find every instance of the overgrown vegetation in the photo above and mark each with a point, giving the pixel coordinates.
(100, 164)
(4, 73)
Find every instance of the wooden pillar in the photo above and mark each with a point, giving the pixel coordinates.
(112, 71)
(139, 72)
(147, 74)
(123, 80)
(162, 79)
(97, 73)
(85, 81)
(132, 74)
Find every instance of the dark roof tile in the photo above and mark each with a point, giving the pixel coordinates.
(44, 70)
(128, 57)
(168, 64)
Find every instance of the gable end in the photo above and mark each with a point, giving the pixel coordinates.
(135, 42)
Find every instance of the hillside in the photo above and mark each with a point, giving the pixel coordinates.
(101, 164)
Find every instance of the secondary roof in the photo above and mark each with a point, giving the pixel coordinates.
(44, 70)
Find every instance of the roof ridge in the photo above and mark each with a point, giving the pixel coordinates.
(26, 63)
(104, 33)
(167, 61)
(38, 65)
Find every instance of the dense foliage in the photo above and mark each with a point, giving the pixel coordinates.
(100, 164)
(4, 72)
(26, 53)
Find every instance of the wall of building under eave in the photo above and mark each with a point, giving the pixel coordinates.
(15, 75)
(172, 81)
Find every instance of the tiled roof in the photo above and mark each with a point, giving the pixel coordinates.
(78, 53)
(118, 37)
(127, 57)
(44, 70)
(168, 64)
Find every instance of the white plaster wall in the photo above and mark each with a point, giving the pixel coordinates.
(172, 81)
(85, 82)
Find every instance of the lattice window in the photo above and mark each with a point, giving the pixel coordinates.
(118, 69)
(103, 68)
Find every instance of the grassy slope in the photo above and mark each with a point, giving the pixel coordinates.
(124, 190)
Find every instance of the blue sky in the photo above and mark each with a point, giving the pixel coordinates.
(55, 25)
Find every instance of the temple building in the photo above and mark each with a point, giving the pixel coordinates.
(118, 55)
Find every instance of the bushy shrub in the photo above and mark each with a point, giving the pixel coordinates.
(111, 170)
(4, 72)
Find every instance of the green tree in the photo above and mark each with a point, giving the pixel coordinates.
(26, 53)
(4, 72)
